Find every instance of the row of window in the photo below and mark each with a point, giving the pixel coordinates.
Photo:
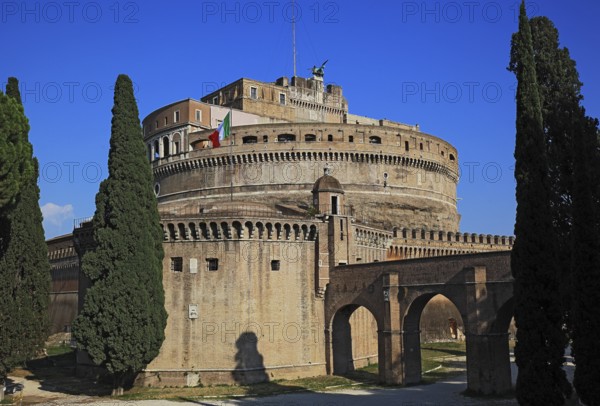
(254, 96)
(252, 139)
(177, 117)
(212, 264)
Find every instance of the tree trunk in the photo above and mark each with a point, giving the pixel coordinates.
(1, 392)
(117, 391)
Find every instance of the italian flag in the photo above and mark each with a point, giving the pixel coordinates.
(222, 132)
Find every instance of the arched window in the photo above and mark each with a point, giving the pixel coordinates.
(249, 139)
(156, 150)
(286, 137)
(374, 139)
(452, 158)
(166, 147)
(176, 143)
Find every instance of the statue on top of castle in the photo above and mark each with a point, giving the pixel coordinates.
(320, 71)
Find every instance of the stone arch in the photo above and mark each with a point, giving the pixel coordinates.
(193, 231)
(269, 228)
(412, 332)
(214, 230)
(313, 233)
(288, 231)
(305, 235)
(278, 231)
(172, 233)
(248, 229)
(341, 338)
(156, 150)
(166, 144)
(177, 143)
(260, 228)
(503, 317)
(182, 231)
(236, 230)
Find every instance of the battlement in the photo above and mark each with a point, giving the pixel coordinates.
(421, 243)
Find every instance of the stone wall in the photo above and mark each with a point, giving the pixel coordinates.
(241, 304)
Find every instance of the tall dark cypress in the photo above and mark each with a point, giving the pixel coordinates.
(12, 89)
(586, 260)
(122, 322)
(540, 345)
(24, 269)
(560, 95)
(15, 153)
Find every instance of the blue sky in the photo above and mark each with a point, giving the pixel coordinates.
(439, 64)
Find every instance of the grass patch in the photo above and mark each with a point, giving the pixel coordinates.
(315, 384)
(450, 356)
(59, 350)
(56, 374)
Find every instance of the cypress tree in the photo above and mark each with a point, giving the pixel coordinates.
(12, 89)
(586, 261)
(121, 325)
(15, 153)
(24, 269)
(539, 352)
(560, 95)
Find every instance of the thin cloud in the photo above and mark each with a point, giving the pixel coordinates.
(56, 215)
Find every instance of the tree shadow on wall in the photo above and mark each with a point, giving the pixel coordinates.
(249, 367)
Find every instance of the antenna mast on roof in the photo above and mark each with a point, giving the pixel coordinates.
(294, 34)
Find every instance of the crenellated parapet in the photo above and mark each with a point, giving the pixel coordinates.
(420, 243)
(372, 237)
(211, 229)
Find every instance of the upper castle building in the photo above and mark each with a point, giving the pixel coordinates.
(253, 228)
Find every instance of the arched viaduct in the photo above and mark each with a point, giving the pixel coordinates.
(395, 292)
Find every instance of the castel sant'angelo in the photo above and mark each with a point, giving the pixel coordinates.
(253, 228)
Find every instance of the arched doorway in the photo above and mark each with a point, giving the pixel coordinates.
(432, 318)
(355, 341)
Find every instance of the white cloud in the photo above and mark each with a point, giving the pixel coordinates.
(56, 215)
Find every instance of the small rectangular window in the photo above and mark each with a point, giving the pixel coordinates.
(176, 117)
(253, 93)
(212, 264)
(176, 264)
(275, 265)
(215, 100)
(166, 120)
(282, 98)
(406, 145)
(198, 115)
(350, 138)
(156, 123)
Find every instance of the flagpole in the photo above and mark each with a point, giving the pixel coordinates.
(294, 35)
(230, 160)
